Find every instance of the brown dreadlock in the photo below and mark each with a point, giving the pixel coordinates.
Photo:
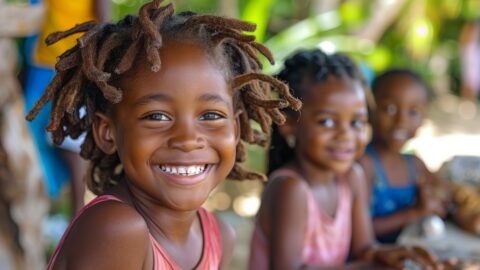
(85, 74)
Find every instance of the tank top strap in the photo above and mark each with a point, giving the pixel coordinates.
(213, 239)
(381, 178)
(412, 170)
(97, 200)
(344, 200)
(211, 247)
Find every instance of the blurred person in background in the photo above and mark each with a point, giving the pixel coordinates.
(314, 210)
(403, 190)
(64, 163)
(23, 202)
(470, 60)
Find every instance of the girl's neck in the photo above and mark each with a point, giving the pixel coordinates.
(169, 224)
(383, 148)
(312, 173)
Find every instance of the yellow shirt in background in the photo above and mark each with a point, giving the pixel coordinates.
(61, 15)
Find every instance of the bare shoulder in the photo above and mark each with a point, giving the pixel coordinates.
(284, 201)
(366, 163)
(109, 235)
(290, 186)
(357, 178)
(288, 197)
(419, 164)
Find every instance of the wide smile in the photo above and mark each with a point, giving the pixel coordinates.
(400, 135)
(185, 174)
(342, 154)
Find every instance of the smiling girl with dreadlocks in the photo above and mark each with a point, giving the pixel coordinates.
(168, 100)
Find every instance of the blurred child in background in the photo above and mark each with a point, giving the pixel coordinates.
(401, 185)
(403, 190)
(59, 164)
(314, 210)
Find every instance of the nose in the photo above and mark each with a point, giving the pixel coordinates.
(401, 117)
(345, 132)
(186, 137)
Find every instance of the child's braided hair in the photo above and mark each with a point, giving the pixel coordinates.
(105, 51)
(312, 66)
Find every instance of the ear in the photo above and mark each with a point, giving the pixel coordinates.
(236, 118)
(103, 133)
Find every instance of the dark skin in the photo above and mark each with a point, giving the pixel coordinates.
(400, 111)
(329, 131)
(162, 120)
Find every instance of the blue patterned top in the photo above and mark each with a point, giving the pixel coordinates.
(386, 199)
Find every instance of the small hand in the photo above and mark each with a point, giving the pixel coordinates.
(428, 203)
(397, 257)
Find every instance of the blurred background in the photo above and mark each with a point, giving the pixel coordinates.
(440, 39)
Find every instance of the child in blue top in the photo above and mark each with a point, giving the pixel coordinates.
(401, 184)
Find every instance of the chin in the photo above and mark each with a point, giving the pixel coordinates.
(342, 168)
(191, 204)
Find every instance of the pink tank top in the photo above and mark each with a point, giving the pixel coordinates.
(326, 240)
(212, 242)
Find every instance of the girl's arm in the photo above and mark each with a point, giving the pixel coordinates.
(362, 233)
(288, 216)
(228, 242)
(107, 236)
(396, 221)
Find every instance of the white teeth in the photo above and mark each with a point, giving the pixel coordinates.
(183, 170)
(400, 134)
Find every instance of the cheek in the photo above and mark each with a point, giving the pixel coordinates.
(361, 142)
(418, 122)
(134, 149)
(226, 143)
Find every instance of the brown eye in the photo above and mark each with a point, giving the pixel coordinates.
(358, 123)
(327, 122)
(209, 116)
(414, 113)
(157, 117)
(391, 109)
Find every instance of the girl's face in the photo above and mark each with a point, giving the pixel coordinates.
(175, 131)
(330, 131)
(400, 111)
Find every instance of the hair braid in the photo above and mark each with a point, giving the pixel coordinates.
(313, 66)
(87, 72)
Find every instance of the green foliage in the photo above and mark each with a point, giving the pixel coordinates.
(257, 11)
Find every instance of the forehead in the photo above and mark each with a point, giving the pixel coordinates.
(335, 90)
(185, 67)
(401, 88)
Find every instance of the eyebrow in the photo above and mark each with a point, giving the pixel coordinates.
(323, 111)
(213, 98)
(165, 98)
(153, 97)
